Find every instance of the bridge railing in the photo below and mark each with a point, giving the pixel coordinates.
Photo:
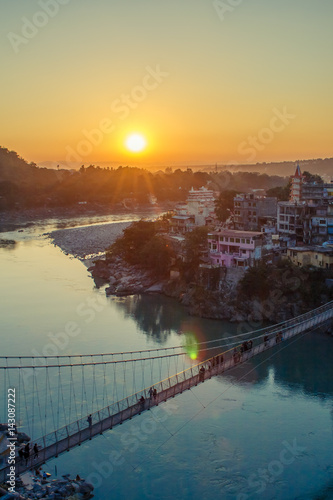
(71, 434)
(288, 329)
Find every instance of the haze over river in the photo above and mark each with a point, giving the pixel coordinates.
(263, 432)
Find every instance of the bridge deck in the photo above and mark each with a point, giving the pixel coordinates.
(78, 432)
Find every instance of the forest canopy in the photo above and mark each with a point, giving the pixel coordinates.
(25, 185)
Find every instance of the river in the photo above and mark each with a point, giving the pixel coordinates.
(262, 432)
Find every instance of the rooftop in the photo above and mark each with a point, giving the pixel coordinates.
(235, 232)
(313, 248)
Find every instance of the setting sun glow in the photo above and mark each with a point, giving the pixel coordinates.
(136, 143)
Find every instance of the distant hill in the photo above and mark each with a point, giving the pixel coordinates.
(25, 184)
(15, 169)
(21, 181)
(323, 167)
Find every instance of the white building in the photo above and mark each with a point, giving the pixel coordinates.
(198, 208)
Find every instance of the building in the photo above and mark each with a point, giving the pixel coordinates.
(198, 210)
(316, 256)
(232, 248)
(305, 190)
(307, 218)
(252, 211)
(202, 195)
(296, 186)
(293, 221)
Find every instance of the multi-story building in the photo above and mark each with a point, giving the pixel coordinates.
(232, 248)
(292, 221)
(305, 190)
(313, 192)
(252, 211)
(202, 195)
(197, 211)
(316, 256)
(296, 186)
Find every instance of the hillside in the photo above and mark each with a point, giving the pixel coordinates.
(25, 185)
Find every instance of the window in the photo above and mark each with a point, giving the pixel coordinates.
(237, 240)
(232, 240)
(243, 240)
(248, 241)
(316, 257)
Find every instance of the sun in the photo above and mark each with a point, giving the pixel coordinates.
(136, 143)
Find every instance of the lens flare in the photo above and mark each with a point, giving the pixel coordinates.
(191, 345)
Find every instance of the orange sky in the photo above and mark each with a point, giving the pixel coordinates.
(203, 83)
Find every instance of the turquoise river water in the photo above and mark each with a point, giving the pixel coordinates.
(264, 432)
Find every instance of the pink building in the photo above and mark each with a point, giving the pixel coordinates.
(231, 248)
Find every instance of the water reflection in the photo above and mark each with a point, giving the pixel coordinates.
(301, 365)
(296, 365)
(155, 316)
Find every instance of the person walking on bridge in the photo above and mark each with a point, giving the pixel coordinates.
(27, 453)
(202, 374)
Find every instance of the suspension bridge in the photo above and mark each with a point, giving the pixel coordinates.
(82, 396)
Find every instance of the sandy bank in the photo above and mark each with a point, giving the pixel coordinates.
(85, 241)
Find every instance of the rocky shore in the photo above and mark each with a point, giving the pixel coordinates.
(85, 242)
(89, 244)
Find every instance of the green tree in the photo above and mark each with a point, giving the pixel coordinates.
(312, 177)
(255, 282)
(224, 204)
(133, 241)
(156, 255)
(280, 192)
(195, 245)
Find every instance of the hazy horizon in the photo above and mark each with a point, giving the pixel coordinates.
(203, 82)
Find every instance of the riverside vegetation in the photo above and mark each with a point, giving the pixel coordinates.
(144, 260)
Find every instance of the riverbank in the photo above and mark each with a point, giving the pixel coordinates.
(290, 292)
(11, 220)
(88, 241)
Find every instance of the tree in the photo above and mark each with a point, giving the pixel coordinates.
(256, 282)
(308, 177)
(195, 244)
(224, 204)
(280, 192)
(133, 241)
(156, 255)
